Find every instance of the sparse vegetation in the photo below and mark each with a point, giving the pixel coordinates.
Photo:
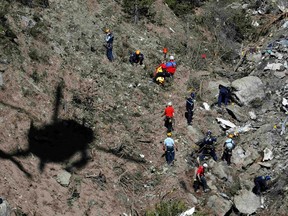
(167, 208)
(138, 9)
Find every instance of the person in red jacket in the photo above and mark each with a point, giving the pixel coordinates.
(171, 66)
(200, 178)
(169, 114)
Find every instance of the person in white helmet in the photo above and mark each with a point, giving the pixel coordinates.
(171, 66)
(169, 114)
(200, 178)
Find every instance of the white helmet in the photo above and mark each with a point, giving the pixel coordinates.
(171, 57)
(169, 103)
(205, 165)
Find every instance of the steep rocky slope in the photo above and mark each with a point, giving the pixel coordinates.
(64, 106)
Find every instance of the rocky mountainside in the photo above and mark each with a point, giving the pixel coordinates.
(82, 136)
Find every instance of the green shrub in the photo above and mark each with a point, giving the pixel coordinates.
(138, 9)
(34, 55)
(183, 7)
(168, 208)
(38, 29)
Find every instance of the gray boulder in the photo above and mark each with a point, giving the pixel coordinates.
(243, 158)
(213, 89)
(221, 170)
(237, 112)
(219, 205)
(195, 134)
(248, 89)
(4, 208)
(63, 178)
(280, 75)
(247, 202)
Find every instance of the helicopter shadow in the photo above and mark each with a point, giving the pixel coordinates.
(57, 142)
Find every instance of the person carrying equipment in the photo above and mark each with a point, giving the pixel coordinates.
(160, 74)
(228, 146)
(261, 184)
(190, 108)
(136, 57)
(169, 114)
(169, 148)
(109, 44)
(207, 147)
(200, 179)
(171, 66)
(224, 95)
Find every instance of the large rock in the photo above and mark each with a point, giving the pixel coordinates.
(248, 89)
(221, 170)
(237, 112)
(247, 202)
(243, 158)
(4, 208)
(213, 89)
(63, 178)
(219, 205)
(195, 133)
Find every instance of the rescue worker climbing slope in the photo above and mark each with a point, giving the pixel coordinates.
(136, 57)
(169, 114)
(261, 184)
(228, 146)
(200, 179)
(169, 148)
(207, 147)
(224, 95)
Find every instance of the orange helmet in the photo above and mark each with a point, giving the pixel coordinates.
(137, 52)
(107, 30)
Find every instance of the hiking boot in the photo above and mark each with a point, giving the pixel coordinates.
(206, 190)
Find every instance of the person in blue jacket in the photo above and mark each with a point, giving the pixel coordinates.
(109, 44)
(261, 184)
(190, 108)
(207, 147)
(224, 95)
(136, 57)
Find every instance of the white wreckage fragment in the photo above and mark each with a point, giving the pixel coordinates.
(238, 129)
(206, 106)
(268, 154)
(274, 66)
(225, 123)
(188, 212)
(285, 104)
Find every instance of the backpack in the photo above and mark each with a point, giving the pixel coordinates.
(229, 144)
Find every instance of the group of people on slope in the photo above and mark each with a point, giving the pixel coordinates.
(207, 146)
(162, 72)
